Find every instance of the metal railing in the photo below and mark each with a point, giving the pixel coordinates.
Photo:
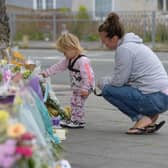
(151, 26)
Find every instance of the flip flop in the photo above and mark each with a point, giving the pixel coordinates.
(136, 131)
(155, 127)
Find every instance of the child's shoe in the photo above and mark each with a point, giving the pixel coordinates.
(75, 124)
(64, 122)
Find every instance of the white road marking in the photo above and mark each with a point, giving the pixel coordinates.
(92, 59)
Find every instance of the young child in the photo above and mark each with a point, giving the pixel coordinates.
(81, 76)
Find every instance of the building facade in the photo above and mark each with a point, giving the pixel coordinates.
(51, 4)
(97, 7)
(142, 5)
(105, 6)
(94, 5)
(20, 3)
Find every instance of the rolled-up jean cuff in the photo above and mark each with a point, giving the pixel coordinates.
(138, 117)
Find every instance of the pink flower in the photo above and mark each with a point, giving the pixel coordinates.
(11, 142)
(7, 153)
(28, 136)
(10, 147)
(8, 161)
(24, 151)
(7, 75)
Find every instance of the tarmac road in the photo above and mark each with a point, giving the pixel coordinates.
(103, 143)
(102, 62)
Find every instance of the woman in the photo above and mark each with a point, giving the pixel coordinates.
(139, 86)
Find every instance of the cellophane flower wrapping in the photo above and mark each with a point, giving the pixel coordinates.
(26, 134)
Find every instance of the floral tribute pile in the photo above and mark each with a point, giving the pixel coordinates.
(27, 139)
(18, 147)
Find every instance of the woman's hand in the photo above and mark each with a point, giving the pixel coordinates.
(84, 93)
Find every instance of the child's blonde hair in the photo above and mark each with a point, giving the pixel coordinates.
(68, 41)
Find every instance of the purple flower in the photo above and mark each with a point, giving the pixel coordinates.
(1, 153)
(1, 159)
(10, 147)
(8, 161)
(7, 153)
(7, 75)
(11, 142)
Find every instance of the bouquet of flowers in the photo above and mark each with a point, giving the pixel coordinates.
(27, 139)
(18, 148)
(52, 103)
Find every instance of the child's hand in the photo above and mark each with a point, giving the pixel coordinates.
(84, 93)
(43, 75)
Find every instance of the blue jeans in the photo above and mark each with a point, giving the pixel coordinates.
(134, 103)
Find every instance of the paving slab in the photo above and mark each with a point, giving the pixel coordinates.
(104, 144)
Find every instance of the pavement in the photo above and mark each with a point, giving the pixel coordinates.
(87, 45)
(92, 45)
(103, 142)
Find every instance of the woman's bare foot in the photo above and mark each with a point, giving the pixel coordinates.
(154, 119)
(140, 124)
(143, 122)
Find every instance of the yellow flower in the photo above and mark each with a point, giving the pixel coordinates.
(3, 62)
(18, 100)
(18, 55)
(16, 130)
(4, 116)
(58, 166)
(67, 112)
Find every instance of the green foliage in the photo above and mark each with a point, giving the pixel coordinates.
(18, 36)
(93, 37)
(57, 150)
(34, 30)
(147, 37)
(82, 13)
(26, 74)
(31, 163)
(63, 10)
(81, 25)
(160, 37)
(161, 33)
(31, 35)
(1, 76)
(36, 36)
(16, 69)
(44, 166)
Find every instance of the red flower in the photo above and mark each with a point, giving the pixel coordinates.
(28, 136)
(24, 151)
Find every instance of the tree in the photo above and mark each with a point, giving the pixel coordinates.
(4, 26)
(80, 27)
(82, 13)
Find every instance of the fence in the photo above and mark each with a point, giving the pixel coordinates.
(151, 26)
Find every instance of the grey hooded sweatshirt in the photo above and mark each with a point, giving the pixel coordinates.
(138, 66)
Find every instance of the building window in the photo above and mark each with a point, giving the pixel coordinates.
(160, 4)
(102, 8)
(166, 5)
(49, 4)
(163, 5)
(39, 4)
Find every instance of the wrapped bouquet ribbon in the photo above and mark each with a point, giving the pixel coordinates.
(34, 83)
